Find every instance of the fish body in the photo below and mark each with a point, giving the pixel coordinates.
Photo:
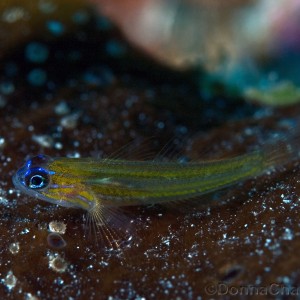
(89, 182)
(101, 186)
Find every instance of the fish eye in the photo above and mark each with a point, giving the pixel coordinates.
(37, 178)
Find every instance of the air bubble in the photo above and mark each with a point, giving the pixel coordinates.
(10, 280)
(45, 141)
(62, 108)
(29, 296)
(70, 121)
(115, 48)
(58, 227)
(14, 14)
(14, 248)
(7, 87)
(36, 52)
(55, 27)
(37, 77)
(58, 145)
(2, 142)
(58, 264)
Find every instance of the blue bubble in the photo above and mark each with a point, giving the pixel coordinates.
(7, 87)
(37, 77)
(36, 52)
(103, 23)
(115, 48)
(80, 17)
(100, 76)
(55, 27)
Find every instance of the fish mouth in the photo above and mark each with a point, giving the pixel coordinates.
(17, 179)
(19, 183)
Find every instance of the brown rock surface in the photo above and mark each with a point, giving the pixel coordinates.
(98, 95)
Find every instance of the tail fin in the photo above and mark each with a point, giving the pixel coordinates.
(282, 151)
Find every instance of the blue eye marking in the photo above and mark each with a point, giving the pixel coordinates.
(37, 161)
(36, 178)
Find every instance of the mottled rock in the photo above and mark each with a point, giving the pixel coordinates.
(100, 94)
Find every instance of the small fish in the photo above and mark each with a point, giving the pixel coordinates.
(101, 185)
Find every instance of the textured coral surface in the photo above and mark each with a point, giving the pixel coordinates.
(70, 85)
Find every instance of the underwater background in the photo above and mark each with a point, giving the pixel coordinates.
(83, 79)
